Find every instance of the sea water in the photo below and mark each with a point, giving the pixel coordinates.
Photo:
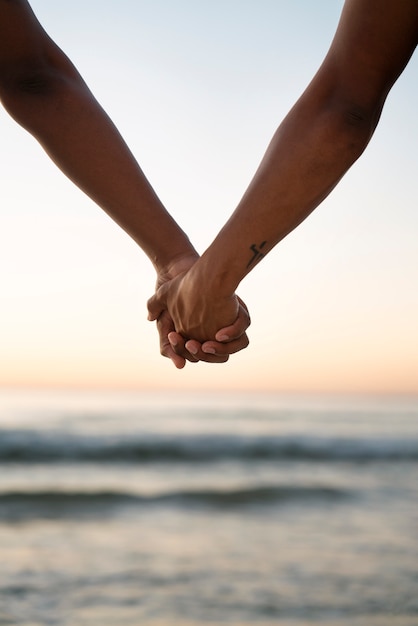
(164, 509)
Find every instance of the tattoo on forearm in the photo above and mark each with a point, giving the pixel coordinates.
(257, 254)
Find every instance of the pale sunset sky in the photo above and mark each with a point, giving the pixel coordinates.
(197, 90)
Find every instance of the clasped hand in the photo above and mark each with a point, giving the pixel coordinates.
(195, 324)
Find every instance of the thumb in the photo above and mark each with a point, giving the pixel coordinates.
(157, 303)
(238, 327)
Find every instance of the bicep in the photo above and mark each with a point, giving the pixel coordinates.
(372, 45)
(21, 35)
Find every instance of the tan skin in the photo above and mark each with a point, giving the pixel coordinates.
(44, 93)
(322, 136)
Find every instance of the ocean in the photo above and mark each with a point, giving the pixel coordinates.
(165, 509)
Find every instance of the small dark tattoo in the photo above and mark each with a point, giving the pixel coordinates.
(257, 255)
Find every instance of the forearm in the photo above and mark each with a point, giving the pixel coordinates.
(310, 152)
(322, 136)
(59, 110)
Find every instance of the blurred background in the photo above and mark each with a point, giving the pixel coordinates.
(121, 508)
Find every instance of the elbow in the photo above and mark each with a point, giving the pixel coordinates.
(353, 98)
(38, 82)
(24, 94)
(350, 125)
(361, 119)
(31, 83)
(357, 113)
(29, 79)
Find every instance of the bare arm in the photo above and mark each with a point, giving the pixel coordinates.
(44, 93)
(318, 141)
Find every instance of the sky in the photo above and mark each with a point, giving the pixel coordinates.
(197, 89)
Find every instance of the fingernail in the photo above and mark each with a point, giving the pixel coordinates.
(192, 349)
(209, 350)
(172, 339)
(222, 337)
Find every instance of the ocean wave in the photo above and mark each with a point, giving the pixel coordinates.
(56, 503)
(26, 447)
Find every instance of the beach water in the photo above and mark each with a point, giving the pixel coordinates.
(163, 509)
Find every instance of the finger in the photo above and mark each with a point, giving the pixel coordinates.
(156, 304)
(178, 345)
(226, 348)
(238, 328)
(213, 356)
(178, 361)
(164, 327)
(191, 350)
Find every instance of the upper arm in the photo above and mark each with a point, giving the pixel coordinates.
(372, 45)
(20, 32)
(24, 44)
(28, 56)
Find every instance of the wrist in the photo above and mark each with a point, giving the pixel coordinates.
(216, 274)
(203, 303)
(224, 263)
(176, 264)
